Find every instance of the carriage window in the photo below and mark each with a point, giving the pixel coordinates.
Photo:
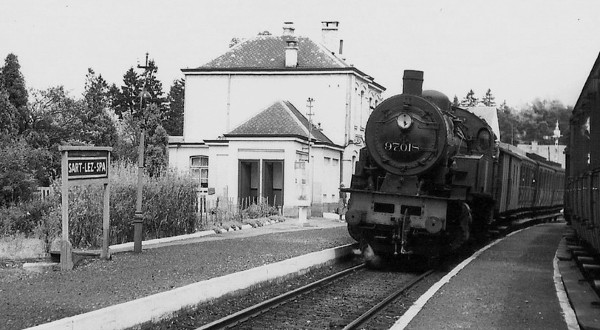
(199, 169)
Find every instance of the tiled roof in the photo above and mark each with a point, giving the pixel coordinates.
(280, 119)
(268, 52)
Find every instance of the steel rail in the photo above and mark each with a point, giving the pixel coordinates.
(385, 302)
(247, 313)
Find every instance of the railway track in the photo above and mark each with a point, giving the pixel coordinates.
(335, 302)
(345, 300)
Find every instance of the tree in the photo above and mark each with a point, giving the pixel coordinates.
(455, 101)
(508, 124)
(156, 153)
(13, 83)
(488, 99)
(153, 86)
(53, 115)
(539, 120)
(127, 99)
(97, 126)
(469, 100)
(8, 122)
(148, 114)
(173, 122)
(20, 164)
(57, 119)
(535, 122)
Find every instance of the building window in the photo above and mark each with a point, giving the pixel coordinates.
(199, 169)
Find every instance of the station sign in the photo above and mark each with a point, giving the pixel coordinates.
(83, 165)
(87, 168)
(86, 163)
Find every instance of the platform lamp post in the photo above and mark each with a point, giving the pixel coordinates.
(139, 216)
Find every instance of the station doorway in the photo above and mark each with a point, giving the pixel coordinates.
(261, 179)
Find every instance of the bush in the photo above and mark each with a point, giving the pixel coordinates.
(39, 219)
(22, 168)
(260, 210)
(169, 207)
(11, 219)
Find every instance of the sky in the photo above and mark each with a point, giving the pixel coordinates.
(519, 49)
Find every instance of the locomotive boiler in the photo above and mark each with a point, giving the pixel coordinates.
(423, 183)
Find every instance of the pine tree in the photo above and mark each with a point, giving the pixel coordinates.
(469, 100)
(154, 87)
(488, 99)
(12, 81)
(127, 99)
(173, 122)
(139, 103)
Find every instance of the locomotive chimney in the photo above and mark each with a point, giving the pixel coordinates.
(412, 82)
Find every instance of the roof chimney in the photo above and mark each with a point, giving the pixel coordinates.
(291, 53)
(288, 28)
(412, 82)
(329, 33)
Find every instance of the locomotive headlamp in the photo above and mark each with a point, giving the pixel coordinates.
(404, 121)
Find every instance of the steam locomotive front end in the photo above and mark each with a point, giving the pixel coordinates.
(398, 190)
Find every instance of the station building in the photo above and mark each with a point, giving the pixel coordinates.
(250, 113)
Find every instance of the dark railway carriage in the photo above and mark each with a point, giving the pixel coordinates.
(432, 175)
(582, 191)
(526, 183)
(508, 179)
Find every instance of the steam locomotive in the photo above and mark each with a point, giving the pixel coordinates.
(432, 176)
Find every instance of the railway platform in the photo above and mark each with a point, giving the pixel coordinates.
(131, 289)
(512, 284)
(517, 282)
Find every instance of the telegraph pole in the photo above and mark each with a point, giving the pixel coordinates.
(309, 105)
(139, 216)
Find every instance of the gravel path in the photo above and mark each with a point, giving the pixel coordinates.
(28, 299)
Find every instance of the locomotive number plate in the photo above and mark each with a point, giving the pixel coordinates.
(400, 147)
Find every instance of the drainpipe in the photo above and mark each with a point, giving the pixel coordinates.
(348, 124)
(228, 102)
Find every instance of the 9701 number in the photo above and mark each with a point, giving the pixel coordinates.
(400, 147)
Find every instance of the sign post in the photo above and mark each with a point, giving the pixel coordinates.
(83, 165)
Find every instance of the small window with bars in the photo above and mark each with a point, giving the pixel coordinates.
(199, 169)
